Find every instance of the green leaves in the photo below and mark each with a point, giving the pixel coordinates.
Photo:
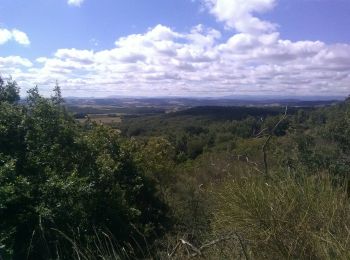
(56, 175)
(9, 91)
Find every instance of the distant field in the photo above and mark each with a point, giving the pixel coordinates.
(102, 119)
(110, 115)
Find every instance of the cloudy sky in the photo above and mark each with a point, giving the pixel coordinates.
(177, 47)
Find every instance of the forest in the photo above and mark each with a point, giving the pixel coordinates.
(201, 183)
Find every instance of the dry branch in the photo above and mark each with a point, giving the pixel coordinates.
(198, 251)
(269, 136)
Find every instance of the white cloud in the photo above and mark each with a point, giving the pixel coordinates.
(20, 37)
(81, 56)
(161, 61)
(15, 35)
(5, 36)
(75, 2)
(165, 62)
(239, 14)
(14, 65)
(15, 61)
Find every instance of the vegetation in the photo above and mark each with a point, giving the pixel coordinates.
(57, 178)
(207, 182)
(287, 216)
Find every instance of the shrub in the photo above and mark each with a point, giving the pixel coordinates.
(287, 216)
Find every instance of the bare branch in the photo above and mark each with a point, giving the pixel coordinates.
(261, 133)
(264, 148)
(195, 249)
(198, 251)
(175, 249)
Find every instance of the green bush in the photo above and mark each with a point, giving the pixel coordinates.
(58, 178)
(287, 216)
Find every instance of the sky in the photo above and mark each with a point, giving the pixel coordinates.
(208, 48)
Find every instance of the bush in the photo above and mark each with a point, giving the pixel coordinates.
(287, 216)
(54, 175)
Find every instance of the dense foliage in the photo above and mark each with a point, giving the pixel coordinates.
(230, 182)
(60, 180)
(298, 210)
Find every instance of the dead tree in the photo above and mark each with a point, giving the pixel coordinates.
(268, 139)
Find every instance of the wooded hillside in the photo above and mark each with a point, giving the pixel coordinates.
(211, 183)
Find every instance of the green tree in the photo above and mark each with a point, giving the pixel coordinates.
(58, 178)
(9, 91)
(57, 98)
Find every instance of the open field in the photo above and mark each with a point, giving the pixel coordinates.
(106, 119)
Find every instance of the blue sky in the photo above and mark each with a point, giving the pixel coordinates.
(177, 47)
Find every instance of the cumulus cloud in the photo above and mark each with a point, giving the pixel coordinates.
(20, 37)
(239, 14)
(163, 61)
(5, 36)
(75, 2)
(15, 35)
(255, 60)
(15, 61)
(14, 65)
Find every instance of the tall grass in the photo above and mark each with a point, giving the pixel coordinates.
(102, 246)
(286, 216)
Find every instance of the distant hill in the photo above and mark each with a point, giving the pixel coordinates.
(135, 106)
(227, 113)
